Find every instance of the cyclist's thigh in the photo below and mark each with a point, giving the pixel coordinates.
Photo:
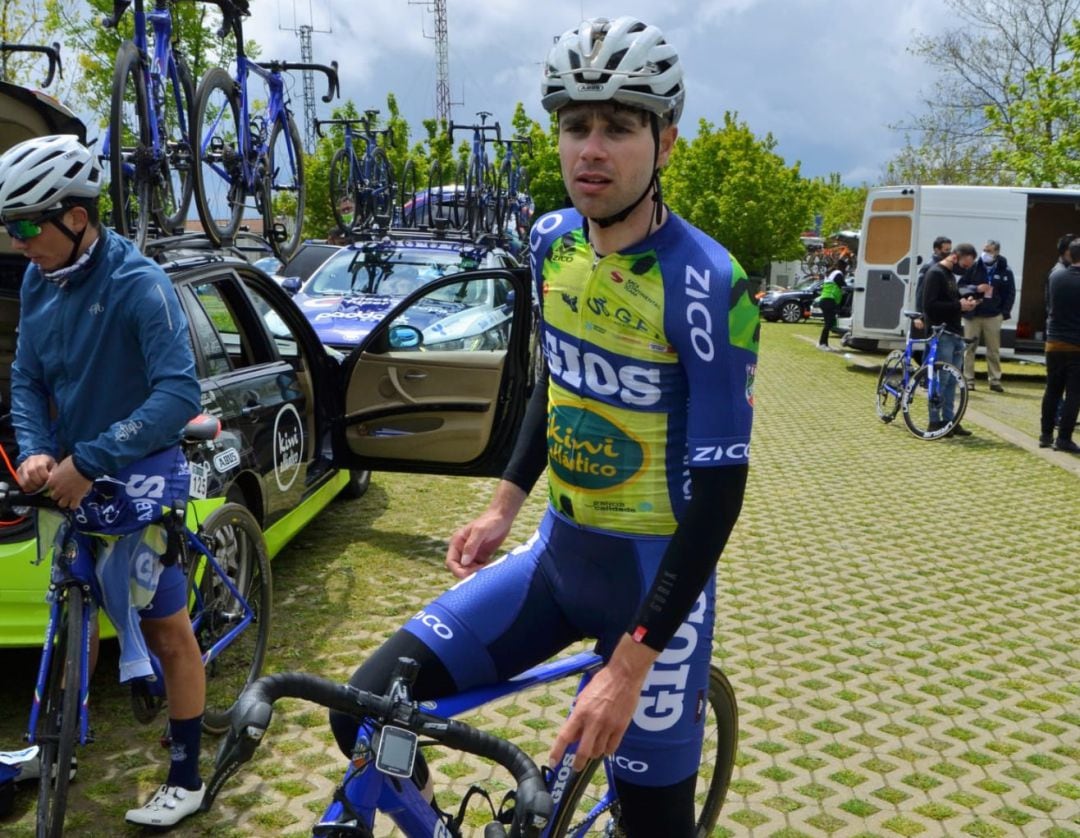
(663, 744)
(499, 621)
(170, 596)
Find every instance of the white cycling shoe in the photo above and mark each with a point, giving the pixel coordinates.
(168, 806)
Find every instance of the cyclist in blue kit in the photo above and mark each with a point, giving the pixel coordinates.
(642, 421)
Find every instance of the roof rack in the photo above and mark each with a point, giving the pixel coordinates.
(157, 249)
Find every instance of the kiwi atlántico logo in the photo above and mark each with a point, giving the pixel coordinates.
(588, 450)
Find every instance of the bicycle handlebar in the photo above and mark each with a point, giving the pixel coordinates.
(53, 52)
(250, 718)
(481, 129)
(331, 72)
(13, 498)
(360, 120)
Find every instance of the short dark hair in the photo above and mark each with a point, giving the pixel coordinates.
(1064, 242)
(92, 207)
(1074, 251)
(965, 249)
(940, 240)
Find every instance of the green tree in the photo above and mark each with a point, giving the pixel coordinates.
(19, 24)
(940, 157)
(541, 161)
(840, 206)
(737, 189)
(1042, 131)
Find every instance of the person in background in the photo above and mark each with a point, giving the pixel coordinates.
(993, 278)
(943, 303)
(1063, 355)
(832, 292)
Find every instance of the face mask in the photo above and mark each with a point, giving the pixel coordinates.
(988, 258)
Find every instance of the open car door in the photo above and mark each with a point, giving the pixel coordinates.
(439, 385)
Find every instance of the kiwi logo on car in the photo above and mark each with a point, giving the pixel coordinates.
(288, 446)
(589, 450)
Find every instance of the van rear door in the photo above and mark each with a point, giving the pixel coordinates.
(887, 262)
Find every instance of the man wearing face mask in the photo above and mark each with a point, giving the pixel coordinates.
(993, 278)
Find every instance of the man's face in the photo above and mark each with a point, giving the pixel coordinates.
(606, 154)
(990, 253)
(965, 261)
(51, 249)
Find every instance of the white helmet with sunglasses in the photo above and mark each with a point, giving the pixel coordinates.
(41, 175)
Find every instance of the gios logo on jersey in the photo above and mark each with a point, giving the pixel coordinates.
(590, 451)
(635, 384)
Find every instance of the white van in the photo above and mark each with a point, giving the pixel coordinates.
(900, 224)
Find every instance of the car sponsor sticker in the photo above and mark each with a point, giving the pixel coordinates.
(288, 446)
(226, 460)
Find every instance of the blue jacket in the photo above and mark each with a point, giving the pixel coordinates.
(111, 350)
(1000, 277)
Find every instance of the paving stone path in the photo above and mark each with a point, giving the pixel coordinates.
(900, 620)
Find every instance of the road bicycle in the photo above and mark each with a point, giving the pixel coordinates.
(239, 155)
(51, 52)
(361, 188)
(477, 176)
(229, 596)
(932, 396)
(148, 142)
(512, 202)
(382, 778)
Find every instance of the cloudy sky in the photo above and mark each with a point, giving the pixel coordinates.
(826, 77)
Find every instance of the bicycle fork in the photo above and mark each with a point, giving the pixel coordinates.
(52, 630)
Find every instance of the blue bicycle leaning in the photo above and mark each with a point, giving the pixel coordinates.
(361, 188)
(148, 142)
(239, 155)
(382, 774)
(477, 176)
(229, 595)
(933, 396)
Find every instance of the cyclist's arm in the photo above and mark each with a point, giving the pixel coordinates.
(162, 337)
(529, 458)
(29, 398)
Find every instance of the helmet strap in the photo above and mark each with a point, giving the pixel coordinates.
(76, 240)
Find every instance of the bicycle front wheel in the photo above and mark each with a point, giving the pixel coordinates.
(130, 149)
(173, 184)
(407, 195)
(59, 720)
(586, 792)
(235, 655)
(219, 164)
(380, 189)
(342, 190)
(934, 400)
(283, 213)
(890, 386)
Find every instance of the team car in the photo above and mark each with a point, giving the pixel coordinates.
(792, 305)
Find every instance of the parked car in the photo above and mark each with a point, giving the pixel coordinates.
(305, 261)
(792, 305)
(356, 288)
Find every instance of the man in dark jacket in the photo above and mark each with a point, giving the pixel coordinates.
(1063, 354)
(942, 303)
(994, 280)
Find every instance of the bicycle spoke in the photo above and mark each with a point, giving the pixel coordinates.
(218, 171)
(283, 217)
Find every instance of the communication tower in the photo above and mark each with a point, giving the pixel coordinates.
(304, 32)
(442, 60)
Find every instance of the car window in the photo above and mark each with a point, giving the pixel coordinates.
(208, 343)
(393, 271)
(244, 345)
(307, 259)
(288, 346)
(474, 315)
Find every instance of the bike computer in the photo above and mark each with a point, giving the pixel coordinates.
(396, 752)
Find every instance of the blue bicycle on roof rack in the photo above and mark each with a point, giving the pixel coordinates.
(239, 155)
(382, 777)
(148, 142)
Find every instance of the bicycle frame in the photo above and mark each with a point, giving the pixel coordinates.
(367, 790)
(156, 68)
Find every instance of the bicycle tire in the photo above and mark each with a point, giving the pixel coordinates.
(433, 205)
(577, 800)
(285, 192)
(217, 117)
(237, 542)
(176, 164)
(920, 407)
(380, 189)
(500, 202)
(58, 723)
(407, 195)
(342, 190)
(129, 145)
(470, 205)
(890, 386)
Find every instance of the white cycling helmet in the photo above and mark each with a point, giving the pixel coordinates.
(40, 174)
(621, 60)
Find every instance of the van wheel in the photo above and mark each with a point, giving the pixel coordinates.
(357, 485)
(791, 312)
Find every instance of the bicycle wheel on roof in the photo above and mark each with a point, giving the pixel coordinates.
(218, 171)
(283, 213)
(129, 148)
(173, 182)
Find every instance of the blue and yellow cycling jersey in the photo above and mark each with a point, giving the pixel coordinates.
(652, 353)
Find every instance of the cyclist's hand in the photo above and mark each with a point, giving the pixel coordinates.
(472, 546)
(917, 323)
(34, 471)
(66, 485)
(604, 709)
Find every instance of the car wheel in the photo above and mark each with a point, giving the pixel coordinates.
(357, 485)
(791, 312)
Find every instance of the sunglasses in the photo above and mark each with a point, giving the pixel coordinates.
(24, 229)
